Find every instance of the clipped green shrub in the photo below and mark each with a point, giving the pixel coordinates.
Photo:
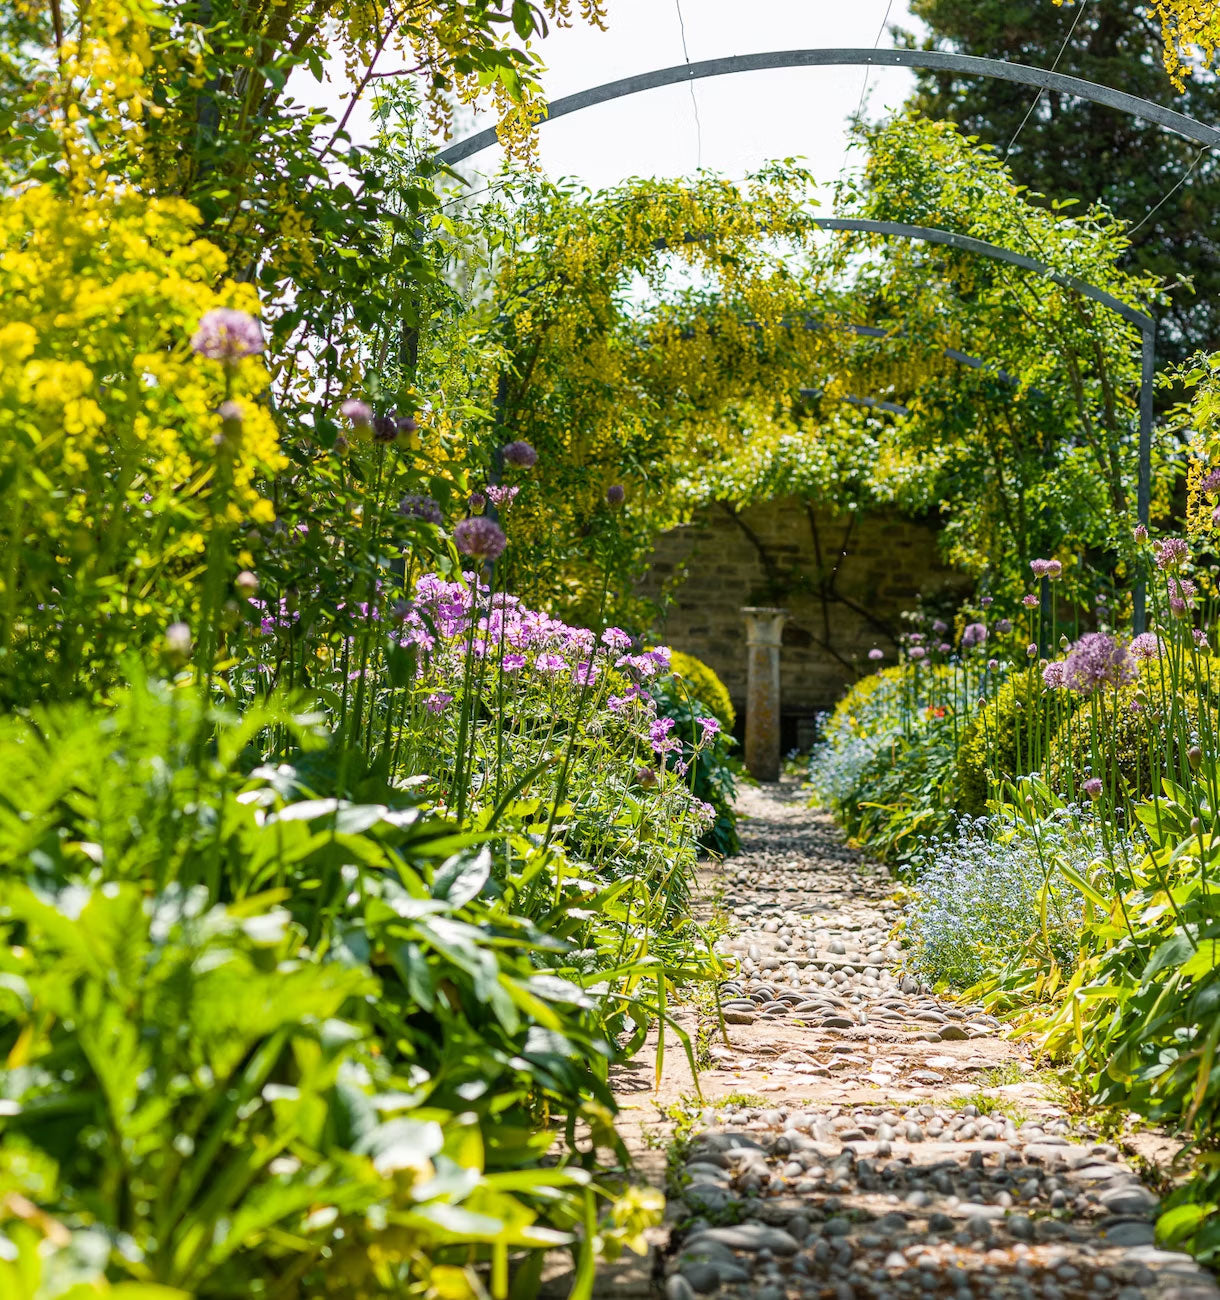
(1132, 738)
(705, 686)
(1007, 737)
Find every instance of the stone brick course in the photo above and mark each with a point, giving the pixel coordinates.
(701, 574)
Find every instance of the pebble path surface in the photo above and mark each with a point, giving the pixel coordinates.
(907, 1151)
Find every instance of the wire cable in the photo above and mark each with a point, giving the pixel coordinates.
(1186, 175)
(694, 102)
(1080, 8)
(885, 22)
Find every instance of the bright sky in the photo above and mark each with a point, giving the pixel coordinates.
(744, 120)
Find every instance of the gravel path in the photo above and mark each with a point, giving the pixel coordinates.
(861, 1138)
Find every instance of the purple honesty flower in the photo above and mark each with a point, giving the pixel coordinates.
(1093, 787)
(1029, 600)
(414, 506)
(1004, 626)
(500, 496)
(1171, 552)
(975, 634)
(616, 494)
(876, 655)
(480, 538)
(1097, 659)
(519, 453)
(437, 701)
(226, 334)
(358, 412)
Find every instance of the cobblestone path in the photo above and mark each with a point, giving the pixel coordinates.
(862, 1138)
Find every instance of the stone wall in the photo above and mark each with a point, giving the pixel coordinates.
(844, 582)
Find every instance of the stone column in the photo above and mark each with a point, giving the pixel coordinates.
(763, 629)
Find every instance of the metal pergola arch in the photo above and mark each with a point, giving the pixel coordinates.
(934, 60)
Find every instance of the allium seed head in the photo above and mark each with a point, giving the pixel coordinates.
(226, 334)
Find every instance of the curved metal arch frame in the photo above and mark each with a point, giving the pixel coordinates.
(933, 60)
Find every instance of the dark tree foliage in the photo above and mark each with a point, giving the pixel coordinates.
(1072, 148)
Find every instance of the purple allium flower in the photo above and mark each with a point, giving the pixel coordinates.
(1046, 568)
(477, 502)
(226, 334)
(945, 648)
(1093, 787)
(438, 701)
(987, 601)
(916, 638)
(230, 413)
(500, 496)
(420, 507)
(993, 664)
(1171, 552)
(1100, 598)
(876, 655)
(1141, 533)
(358, 412)
(1052, 674)
(975, 634)
(1032, 650)
(614, 638)
(616, 494)
(1029, 600)
(407, 424)
(1004, 626)
(1200, 637)
(480, 538)
(246, 583)
(512, 662)
(1181, 592)
(1210, 482)
(940, 627)
(1097, 659)
(1148, 645)
(519, 453)
(710, 727)
(1216, 517)
(385, 428)
(917, 652)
